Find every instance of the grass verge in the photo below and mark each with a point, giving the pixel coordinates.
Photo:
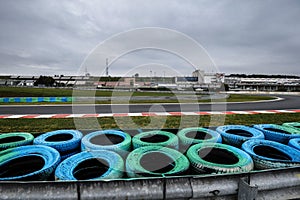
(43, 125)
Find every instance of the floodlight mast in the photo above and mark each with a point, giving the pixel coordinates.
(106, 69)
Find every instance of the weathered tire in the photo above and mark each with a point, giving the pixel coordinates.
(196, 135)
(112, 140)
(218, 158)
(28, 163)
(236, 135)
(91, 165)
(295, 143)
(155, 161)
(155, 138)
(10, 140)
(278, 133)
(295, 125)
(268, 154)
(64, 141)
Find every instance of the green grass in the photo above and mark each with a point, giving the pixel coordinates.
(44, 125)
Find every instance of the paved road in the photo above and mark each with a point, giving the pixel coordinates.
(289, 102)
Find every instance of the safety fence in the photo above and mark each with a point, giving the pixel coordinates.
(34, 99)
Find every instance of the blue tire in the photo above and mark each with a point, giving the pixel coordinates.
(236, 135)
(112, 140)
(295, 143)
(91, 165)
(190, 136)
(28, 163)
(218, 158)
(277, 133)
(156, 161)
(269, 154)
(64, 141)
(155, 138)
(10, 140)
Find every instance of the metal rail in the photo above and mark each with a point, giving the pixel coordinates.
(269, 184)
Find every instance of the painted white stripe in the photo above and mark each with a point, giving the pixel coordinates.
(241, 112)
(45, 116)
(15, 116)
(264, 111)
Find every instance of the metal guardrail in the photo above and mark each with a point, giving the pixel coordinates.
(269, 184)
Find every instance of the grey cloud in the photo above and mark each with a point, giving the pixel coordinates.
(241, 36)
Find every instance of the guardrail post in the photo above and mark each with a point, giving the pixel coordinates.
(246, 191)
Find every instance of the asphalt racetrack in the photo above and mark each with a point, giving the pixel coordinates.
(287, 102)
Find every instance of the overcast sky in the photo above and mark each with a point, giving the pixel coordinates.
(47, 37)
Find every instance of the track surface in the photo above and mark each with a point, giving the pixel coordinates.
(288, 102)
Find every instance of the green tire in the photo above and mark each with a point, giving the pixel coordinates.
(156, 161)
(155, 138)
(218, 158)
(10, 140)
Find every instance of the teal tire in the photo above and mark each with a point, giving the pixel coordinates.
(155, 138)
(156, 161)
(28, 163)
(295, 125)
(11, 140)
(111, 140)
(190, 136)
(218, 158)
(91, 165)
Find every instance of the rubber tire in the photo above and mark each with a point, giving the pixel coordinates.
(277, 136)
(171, 142)
(185, 141)
(235, 139)
(295, 125)
(64, 147)
(65, 170)
(122, 148)
(28, 138)
(243, 161)
(263, 162)
(295, 143)
(50, 156)
(134, 168)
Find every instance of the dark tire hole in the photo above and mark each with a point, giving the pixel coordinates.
(239, 132)
(11, 139)
(91, 168)
(296, 126)
(21, 166)
(270, 152)
(157, 162)
(277, 130)
(158, 138)
(199, 135)
(107, 139)
(218, 156)
(59, 137)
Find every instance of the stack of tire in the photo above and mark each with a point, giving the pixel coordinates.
(114, 154)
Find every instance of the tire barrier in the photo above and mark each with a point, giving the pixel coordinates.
(10, 140)
(218, 158)
(295, 143)
(269, 154)
(91, 165)
(236, 135)
(295, 125)
(67, 142)
(35, 99)
(155, 138)
(28, 163)
(196, 135)
(278, 133)
(112, 140)
(155, 161)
